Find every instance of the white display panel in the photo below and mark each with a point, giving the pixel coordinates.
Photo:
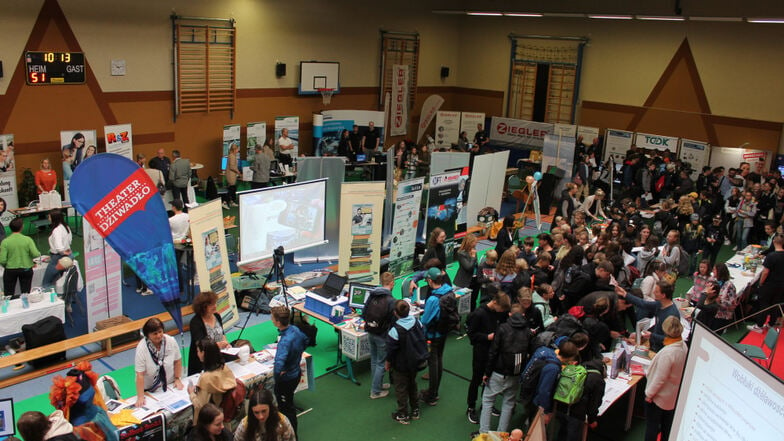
(725, 395)
(291, 216)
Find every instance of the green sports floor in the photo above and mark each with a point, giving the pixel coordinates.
(338, 409)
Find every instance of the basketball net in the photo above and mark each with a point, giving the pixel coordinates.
(326, 95)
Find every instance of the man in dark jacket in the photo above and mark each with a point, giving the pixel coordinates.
(482, 324)
(378, 315)
(505, 363)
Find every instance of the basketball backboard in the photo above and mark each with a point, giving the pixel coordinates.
(315, 75)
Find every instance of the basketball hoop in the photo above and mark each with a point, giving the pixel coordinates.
(326, 95)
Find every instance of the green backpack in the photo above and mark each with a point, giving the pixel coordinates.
(570, 385)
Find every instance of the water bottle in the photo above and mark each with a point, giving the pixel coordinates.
(25, 301)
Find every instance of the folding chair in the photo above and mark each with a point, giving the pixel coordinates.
(756, 352)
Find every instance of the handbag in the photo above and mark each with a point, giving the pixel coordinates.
(161, 189)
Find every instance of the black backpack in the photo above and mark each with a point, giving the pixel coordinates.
(377, 314)
(514, 349)
(448, 318)
(576, 280)
(529, 380)
(413, 348)
(566, 325)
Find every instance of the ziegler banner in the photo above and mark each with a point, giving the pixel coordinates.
(399, 105)
(518, 133)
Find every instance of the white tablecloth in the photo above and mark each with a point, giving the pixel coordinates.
(740, 278)
(11, 322)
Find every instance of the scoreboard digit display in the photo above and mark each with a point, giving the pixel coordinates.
(54, 68)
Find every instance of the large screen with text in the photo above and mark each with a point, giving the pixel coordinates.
(288, 216)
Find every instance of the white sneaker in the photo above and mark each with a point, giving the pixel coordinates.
(147, 292)
(225, 206)
(756, 328)
(138, 290)
(386, 386)
(381, 394)
(234, 204)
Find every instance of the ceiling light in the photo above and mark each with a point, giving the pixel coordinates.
(659, 18)
(521, 14)
(485, 14)
(563, 14)
(765, 20)
(715, 19)
(611, 17)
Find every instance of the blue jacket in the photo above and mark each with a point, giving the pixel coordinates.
(291, 345)
(548, 378)
(432, 312)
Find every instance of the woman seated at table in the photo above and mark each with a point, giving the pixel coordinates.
(216, 379)
(59, 245)
(158, 361)
(206, 323)
(264, 422)
(209, 425)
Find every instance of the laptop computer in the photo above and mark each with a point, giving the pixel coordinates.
(332, 287)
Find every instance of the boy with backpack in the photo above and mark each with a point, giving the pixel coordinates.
(378, 315)
(541, 376)
(406, 355)
(482, 324)
(439, 317)
(571, 417)
(506, 360)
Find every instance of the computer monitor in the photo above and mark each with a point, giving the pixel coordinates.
(358, 294)
(361, 157)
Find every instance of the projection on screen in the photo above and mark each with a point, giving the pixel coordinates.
(726, 396)
(291, 216)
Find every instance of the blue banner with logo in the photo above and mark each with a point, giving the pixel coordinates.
(121, 202)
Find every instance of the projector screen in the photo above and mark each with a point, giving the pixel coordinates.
(291, 216)
(726, 396)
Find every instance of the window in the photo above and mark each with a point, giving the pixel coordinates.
(544, 79)
(204, 65)
(399, 48)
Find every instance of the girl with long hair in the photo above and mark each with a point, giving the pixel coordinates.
(264, 422)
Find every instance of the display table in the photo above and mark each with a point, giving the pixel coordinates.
(38, 275)
(739, 277)
(175, 406)
(11, 322)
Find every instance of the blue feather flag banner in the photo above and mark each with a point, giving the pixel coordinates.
(121, 202)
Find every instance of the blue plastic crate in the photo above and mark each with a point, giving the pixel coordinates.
(323, 306)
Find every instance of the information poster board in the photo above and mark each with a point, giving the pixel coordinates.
(470, 122)
(75, 144)
(732, 157)
(102, 276)
(119, 139)
(447, 128)
(567, 130)
(442, 207)
(559, 151)
(257, 135)
(588, 134)
(231, 135)
(211, 257)
(8, 189)
(616, 144)
(292, 124)
(656, 142)
(696, 153)
(486, 185)
(404, 227)
(360, 251)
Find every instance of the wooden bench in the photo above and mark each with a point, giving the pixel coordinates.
(104, 335)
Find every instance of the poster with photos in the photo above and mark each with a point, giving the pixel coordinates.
(77, 145)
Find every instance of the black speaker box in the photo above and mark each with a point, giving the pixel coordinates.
(444, 72)
(280, 70)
